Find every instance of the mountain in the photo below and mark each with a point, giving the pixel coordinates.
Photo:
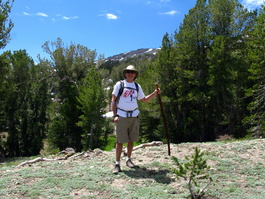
(144, 52)
(135, 55)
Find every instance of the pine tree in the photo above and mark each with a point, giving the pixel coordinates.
(6, 24)
(188, 75)
(230, 24)
(256, 47)
(70, 65)
(25, 104)
(92, 100)
(196, 172)
(207, 71)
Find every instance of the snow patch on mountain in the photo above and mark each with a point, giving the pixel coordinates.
(134, 53)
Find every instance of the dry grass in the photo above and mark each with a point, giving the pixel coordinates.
(237, 172)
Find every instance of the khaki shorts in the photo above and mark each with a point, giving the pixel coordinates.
(127, 129)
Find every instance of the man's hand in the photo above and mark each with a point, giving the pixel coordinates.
(158, 91)
(115, 118)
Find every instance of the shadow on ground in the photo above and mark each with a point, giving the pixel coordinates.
(158, 175)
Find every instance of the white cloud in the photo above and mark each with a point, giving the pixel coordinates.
(25, 13)
(253, 4)
(165, 0)
(172, 12)
(42, 14)
(37, 14)
(67, 18)
(111, 16)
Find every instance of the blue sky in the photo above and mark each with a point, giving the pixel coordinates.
(108, 26)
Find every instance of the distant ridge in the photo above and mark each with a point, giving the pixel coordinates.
(140, 54)
(135, 53)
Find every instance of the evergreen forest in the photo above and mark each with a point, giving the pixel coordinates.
(211, 72)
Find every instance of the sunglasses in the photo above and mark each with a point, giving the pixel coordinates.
(130, 71)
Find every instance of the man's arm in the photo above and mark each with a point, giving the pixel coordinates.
(151, 96)
(114, 105)
(114, 108)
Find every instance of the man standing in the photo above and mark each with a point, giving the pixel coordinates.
(125, 110)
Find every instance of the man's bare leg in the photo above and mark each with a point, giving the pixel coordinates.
(118, 151)
(129, 162)
(129, 149)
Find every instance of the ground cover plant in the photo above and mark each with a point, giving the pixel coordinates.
(196, 172)
(237, 172)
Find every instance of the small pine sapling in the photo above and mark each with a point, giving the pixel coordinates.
(196, 173)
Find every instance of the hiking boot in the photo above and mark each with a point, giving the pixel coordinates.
(117, 169)
(130, 164)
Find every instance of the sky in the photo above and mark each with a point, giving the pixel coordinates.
(110, 27)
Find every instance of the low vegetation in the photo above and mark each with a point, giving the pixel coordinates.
(236, 169)
(196, 172)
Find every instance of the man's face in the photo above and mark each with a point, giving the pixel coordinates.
(130, 75)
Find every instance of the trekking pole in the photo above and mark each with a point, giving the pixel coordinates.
(164, 119)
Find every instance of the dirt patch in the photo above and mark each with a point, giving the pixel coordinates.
(236, 166)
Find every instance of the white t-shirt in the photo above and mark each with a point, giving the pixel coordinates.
(128, 99)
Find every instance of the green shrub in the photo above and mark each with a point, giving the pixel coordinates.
(195, 172)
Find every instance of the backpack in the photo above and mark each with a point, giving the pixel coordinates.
(122, 88)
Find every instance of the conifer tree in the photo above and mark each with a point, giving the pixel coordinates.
(25, 104)
(208, 67)
(70, 65)
(92, 100)
(6, 24)
(230, 24)
(256, 47)
(188, 74)
(196, 173)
